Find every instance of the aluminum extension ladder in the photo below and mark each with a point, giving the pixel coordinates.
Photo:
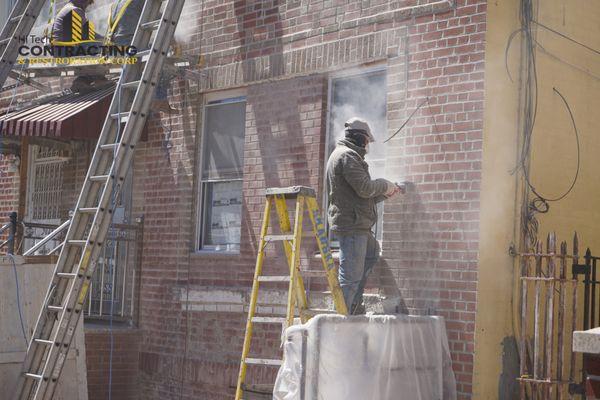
(17, 26)
(296, 293)
(112, 159)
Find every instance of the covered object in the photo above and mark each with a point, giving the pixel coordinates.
(381, 357)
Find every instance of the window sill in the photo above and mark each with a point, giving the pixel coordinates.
(214, 253)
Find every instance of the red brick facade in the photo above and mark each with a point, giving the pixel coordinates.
(282, 54)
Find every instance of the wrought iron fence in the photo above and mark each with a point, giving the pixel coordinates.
(114, 286)
(548, 319)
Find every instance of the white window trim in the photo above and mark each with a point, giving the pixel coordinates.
(349, 73)
(199, 212)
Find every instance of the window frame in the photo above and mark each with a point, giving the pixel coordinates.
(212, 99)
(349, 73)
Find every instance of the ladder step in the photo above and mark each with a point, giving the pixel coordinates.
(269, 320)
(151, 24)
(66, 275)
(34, 376)
(88, 210)
(77, 242)
(123, 116)
(54, 308)
(111, 146)
(5, 41)
(142, 54)
(263, 361)
(43, 341)
(275, 238)
(99, 178)
(131, 85)
(17, 18)
(274, 278)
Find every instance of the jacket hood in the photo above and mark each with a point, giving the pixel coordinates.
(347, 143)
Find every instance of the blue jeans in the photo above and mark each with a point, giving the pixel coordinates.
(358, 254)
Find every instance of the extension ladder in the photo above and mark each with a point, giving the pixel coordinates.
(296, 293)
(89, 225)
(17, 27)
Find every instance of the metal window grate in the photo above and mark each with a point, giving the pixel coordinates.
(46, 184)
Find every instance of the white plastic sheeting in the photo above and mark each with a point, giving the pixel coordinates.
(379, 357)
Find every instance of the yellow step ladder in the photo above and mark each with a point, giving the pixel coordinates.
(291, 239)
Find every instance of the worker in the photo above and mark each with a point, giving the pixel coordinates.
(71, 26)
(72, 32)
(353, 196)
(123, 20)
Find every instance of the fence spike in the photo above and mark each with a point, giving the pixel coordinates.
(575, 247)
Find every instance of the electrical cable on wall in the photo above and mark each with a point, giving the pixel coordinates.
(18, 294)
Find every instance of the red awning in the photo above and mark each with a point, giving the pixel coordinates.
(73, 116)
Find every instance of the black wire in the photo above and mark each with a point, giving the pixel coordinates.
(566, 37)
(539, 204)
(408, 119)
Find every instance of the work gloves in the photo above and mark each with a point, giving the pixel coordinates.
(392, 189)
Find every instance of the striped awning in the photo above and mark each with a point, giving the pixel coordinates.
(72, 116)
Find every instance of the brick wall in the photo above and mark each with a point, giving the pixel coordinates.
(125, 354)
(283, 53)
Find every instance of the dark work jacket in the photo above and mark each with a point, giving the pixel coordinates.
(63, 23)
(123, 21)
(352, 192)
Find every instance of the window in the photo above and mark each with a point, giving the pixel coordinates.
(221, 172)
(44, 210)
(361, 95)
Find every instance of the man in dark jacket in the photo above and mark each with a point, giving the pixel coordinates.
(353, 196)
(122, 23)
(71, 24)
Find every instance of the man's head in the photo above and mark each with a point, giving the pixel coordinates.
(358, 130)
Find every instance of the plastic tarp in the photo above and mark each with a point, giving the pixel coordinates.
(374, 357)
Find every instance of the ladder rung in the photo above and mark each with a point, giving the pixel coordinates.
(110, 146)
(274, 238)
(123, 116)
(131, 85)
(99, 178)
(17, 18)
(43, 341)
(269, 320)
(142, 54)
(54, 308)
(66, 275)
(88, 210)
(274, 278)
(151, 24)
(34, 376)
(263, 361)
(5, 41)
(77, 242)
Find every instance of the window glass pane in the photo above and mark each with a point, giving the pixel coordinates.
(222, 216)
(224, 141)
(362, 96)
